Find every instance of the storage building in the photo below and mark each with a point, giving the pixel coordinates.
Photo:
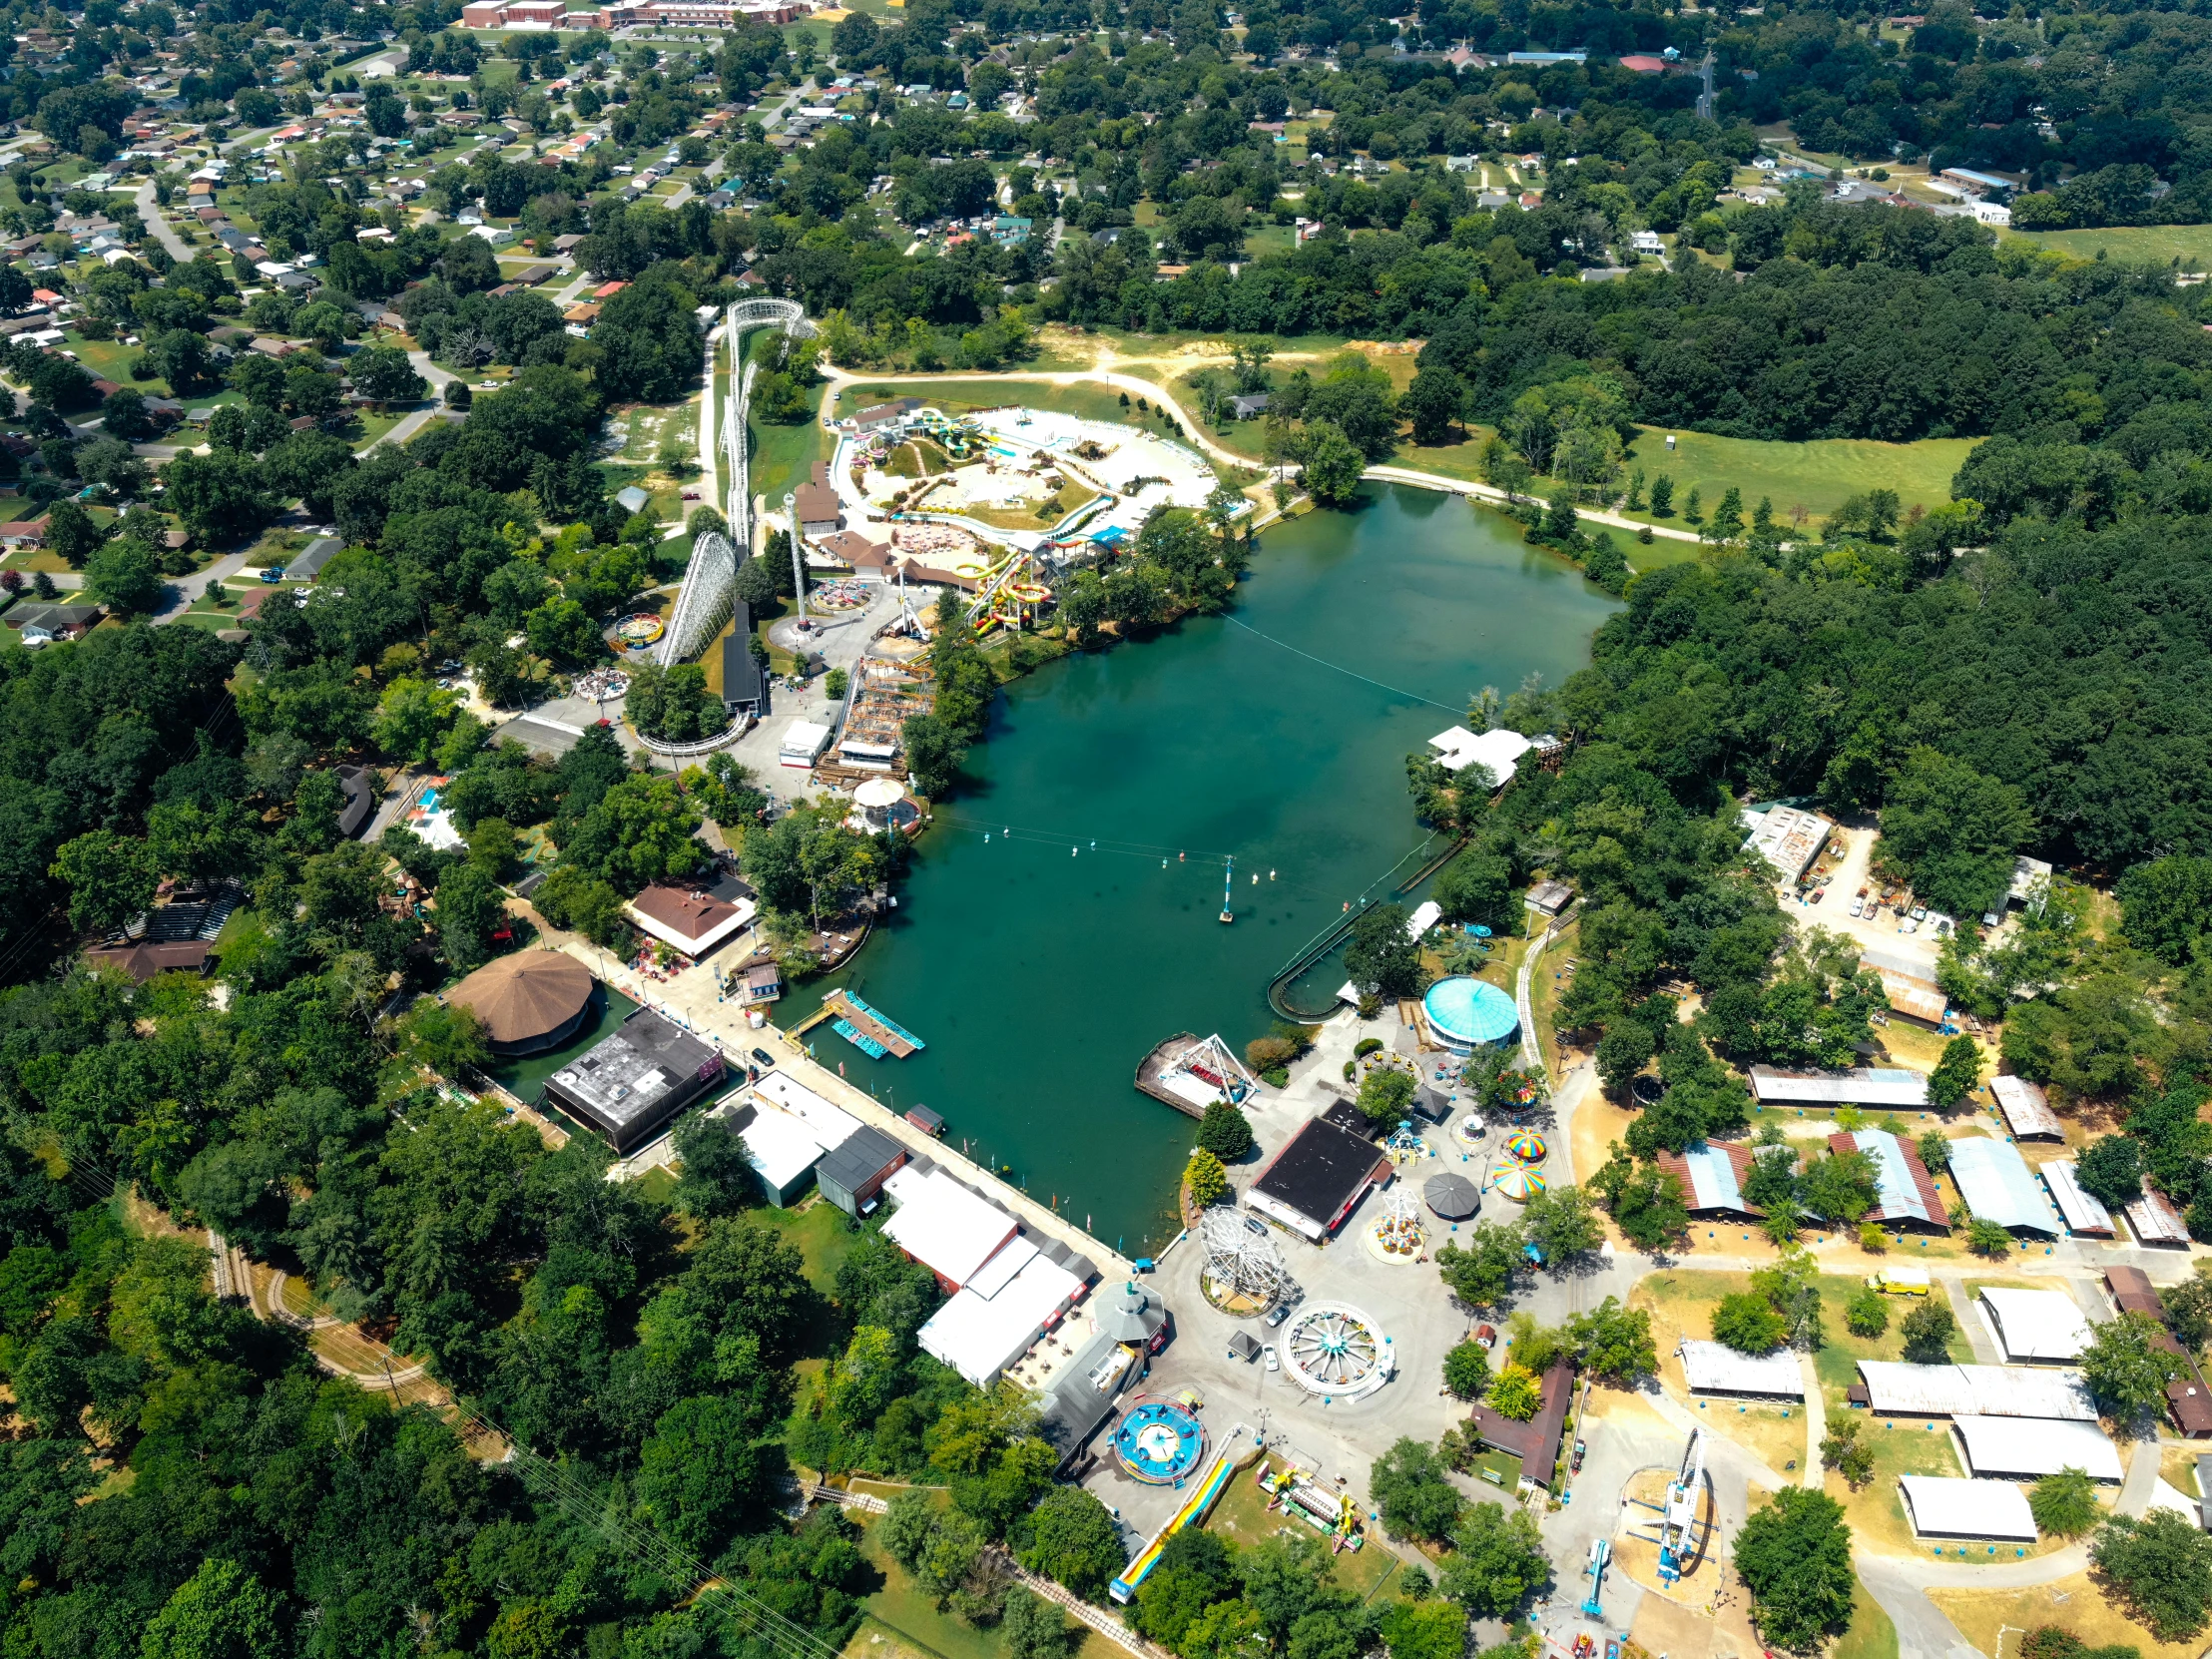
(1313, 1182)
(1997, 1186)
(1717, 1369)
(831, 1125)
(803, 742)
(1904, 1193)
(2026, 1109)
(1786, 838)
(629, 1085)
(1896, 1389)
(853, 1173)
(1536, 1442)
(2036, 1327)
(2028, 1449)
(1942, 1508)
(784, 1152)
(2081, 1209)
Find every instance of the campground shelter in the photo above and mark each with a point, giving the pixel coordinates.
(2028, 1449)
(1898, 1389)
(2036, 1327)
(1905, 1196)
(1717, 1369)
(1885, 1086)
(1997, 1186)
(2026, 1109)
(1940, 1506)
(1712, 1179)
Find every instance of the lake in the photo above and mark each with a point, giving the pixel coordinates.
(1062, 914)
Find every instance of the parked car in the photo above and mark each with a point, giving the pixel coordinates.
(1268, 1353)
(1858, 906)
(767, 1060)
(275, 573)
(1281, 1313)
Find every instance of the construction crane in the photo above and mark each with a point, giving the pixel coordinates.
(1678, 1538)
(1600, 1554)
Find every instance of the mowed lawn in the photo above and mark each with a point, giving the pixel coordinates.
(2156, 243)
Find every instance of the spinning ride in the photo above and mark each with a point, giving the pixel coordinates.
(1335, 1349)
(1158, 1441)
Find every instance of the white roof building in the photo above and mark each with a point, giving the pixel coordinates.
(803, 742)
(2028, 1449)
(940, 1224)
(1786, 836)
(1895, 1388)
(1455, 749)
(995, 1317)
(1715, 1368)
(1940, 1508)
(1422, 919)
(1997, 1185)
(831, 1125)
(781, 1149)
(2038, 1326)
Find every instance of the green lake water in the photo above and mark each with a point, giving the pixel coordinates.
(525, 1075)
(1041, 967)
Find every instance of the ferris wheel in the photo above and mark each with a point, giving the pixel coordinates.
(1241, 1256)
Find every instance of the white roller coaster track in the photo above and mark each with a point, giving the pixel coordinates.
(710, 580)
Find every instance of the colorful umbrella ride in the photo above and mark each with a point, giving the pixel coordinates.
(1518, 1183)
(1529, 1148)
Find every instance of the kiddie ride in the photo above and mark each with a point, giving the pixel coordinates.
(1330, 1513)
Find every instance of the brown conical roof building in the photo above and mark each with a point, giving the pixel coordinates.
(528, 1000)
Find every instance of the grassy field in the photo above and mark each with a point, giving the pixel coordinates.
(902, 1622)
(1085, 402)
(1871, 1636)
(2158, 244)
(2073, 1603)
(784, 456)
(1242, 1517)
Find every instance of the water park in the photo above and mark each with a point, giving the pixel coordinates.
(1237, 1450)
(1159, 1441)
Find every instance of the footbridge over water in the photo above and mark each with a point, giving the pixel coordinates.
(710, 581)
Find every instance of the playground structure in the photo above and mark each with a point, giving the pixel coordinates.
(1334, 1349)
(1158, 1441)
(1294, 1493)
(1244, 1270)
(1241, 1447)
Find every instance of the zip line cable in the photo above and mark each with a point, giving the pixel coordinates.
(1395, 691)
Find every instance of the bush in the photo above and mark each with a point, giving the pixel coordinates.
(1987, 1238)
(1844, 1452)
(2065, 1502)
(1746, 1323)
(1867, 1314)
(1872, 1239)
(1366, 1047)
(1275, 1079)
(1928, 1330)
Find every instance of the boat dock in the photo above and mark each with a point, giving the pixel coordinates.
(873, 1034)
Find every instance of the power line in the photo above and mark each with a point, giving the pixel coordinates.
(1395, 691)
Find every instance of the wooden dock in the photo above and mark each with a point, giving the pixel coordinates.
(1156, 1062)
(877, 1031)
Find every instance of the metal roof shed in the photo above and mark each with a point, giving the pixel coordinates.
(853, 1175)
(2039, 1327)
(1876, 1086)
(1997, 1186)
(2016, 1449)
(2082, 1212)
(1717, 1369)
(1896, 1389)
(782, 1152)
(1903, 1191)
(1940, 1508)
(2156, 1221)
(1712, 1178)
(2026, 1109)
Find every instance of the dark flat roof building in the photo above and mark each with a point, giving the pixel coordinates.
(744, 690)
(1313, 1182)
(629, 1085)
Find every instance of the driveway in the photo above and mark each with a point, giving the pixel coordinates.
(186, 591)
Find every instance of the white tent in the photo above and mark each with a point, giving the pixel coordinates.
(1715, 1368)
(2028, 1449)
(2036, 1326)
(1944, 1508)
